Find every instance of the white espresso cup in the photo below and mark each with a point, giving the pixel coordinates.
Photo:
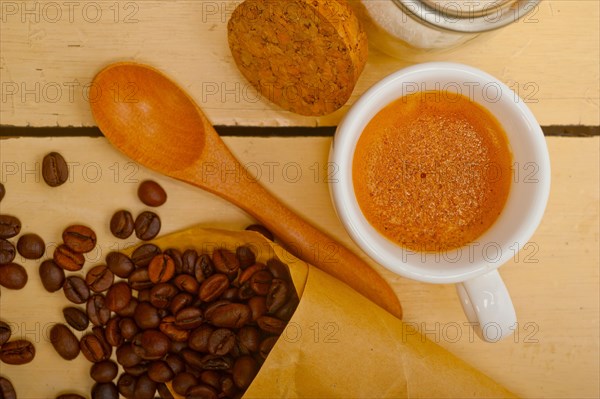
(473, 267)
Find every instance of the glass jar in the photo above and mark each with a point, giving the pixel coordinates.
(405, 28)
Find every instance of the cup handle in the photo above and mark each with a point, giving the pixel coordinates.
(488, 306)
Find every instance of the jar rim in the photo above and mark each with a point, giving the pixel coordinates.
(466, 18)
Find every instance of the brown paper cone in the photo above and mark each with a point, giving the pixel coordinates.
(338, 344)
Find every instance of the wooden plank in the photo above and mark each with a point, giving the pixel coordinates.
(51, 50)
(554, 282)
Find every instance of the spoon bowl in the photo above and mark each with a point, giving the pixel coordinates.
(154, 122)
(138, 101)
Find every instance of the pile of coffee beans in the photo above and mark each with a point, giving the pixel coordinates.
(203, 322)
(14, 277)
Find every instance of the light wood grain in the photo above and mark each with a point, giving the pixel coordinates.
(551, 59)
(554, 282)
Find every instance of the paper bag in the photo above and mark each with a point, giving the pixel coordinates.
(338, 344)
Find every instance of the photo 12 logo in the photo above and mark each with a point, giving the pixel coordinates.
(53, 12)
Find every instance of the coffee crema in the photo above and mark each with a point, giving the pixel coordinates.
(432, 171)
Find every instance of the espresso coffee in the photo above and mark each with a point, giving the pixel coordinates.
(432, 171)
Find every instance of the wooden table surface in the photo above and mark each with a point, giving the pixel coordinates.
(552, 60)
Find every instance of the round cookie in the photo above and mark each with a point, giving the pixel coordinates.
(303, 55)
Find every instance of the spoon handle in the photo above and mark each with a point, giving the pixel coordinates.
(297, 235)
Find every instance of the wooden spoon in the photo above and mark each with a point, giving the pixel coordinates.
(154, 122)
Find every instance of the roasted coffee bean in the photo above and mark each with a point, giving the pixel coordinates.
(52, 275)
(175, 363)
(258, 307)
(151, 193)
(121, 224)
(244, 371)
(266, 345)
(104, 371)
(244, 276)
(189, 318)
(159, 371)
(112, 333)
(147, 225)
(64, 341)
(245, 256)
(68, 259)
(146, 316)
(249, 339)
(129, 328)
(260, 282)
(118, 296)
(54, 169)
(287, 310)
(140, 280)
(145, 388)
(31, 246)
(271, 325)
(225, 262)
(164, 392)
(126, 356)
(161, 269)
(277, 296)
(5, 333)
(167, 326)
(93, 349)
(228, 387)
(7, 391)
(206, 362)
(99, 278)
(80, 239)
(279, 269)
(76, 318)
(138, 369)
(98, 331)
(7, 251)
(13, 276)
(259, 228)
(221, 341)
(203, 268)
(162, 294)
(126, 385)
(187, 283)
(189, 258)
(76, 290)
(201, 391)
(151, 344)
(2, 191)
(119, 264)
(183, 381)
(143, 254)
(180, 301)
(212, 378)
(105, 390)
(10, 226)
(129, 310)
(233, 315)
(199, 338)
(177, 257)
(246, 292)
(213, 287)
(97, 311)
(17, 352)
